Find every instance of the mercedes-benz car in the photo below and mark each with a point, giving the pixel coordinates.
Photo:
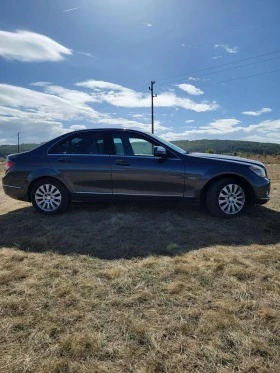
(109, 164)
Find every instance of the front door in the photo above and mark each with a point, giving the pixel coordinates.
(137, 172)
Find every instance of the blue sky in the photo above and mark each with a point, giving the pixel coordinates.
(71, 64)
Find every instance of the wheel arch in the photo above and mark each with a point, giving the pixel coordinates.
(33, 182)
(250, 193)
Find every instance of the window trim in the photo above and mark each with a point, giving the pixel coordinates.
(89, 133)
(119, 133)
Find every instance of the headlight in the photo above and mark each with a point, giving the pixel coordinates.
(258, 170)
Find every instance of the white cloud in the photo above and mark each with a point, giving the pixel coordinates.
(40, 116)
(117, 95)
(127, 123)
(258, 113)
(216, 57)
(148, 25)
(194, 79)
(58, 104)
(40, 84)
(28, 46)
(76, 127)
(231, 128)
(100, 84)
(71, 9)
(227, 48)
(190, 89)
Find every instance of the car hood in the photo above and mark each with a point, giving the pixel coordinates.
(227, 158)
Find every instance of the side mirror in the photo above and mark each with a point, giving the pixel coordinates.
(159, 151)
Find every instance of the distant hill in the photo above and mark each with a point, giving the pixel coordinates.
(229, 146)
(210, 146)
(11, 149)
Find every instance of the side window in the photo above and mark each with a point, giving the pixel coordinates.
(141, 146)
(84, 143)
(134, 145)
(130, 144)
(118, 144)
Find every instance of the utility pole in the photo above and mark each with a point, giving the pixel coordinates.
(151, 88)
(18, 142)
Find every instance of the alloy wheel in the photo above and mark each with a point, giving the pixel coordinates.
(232, 199)
(48, 197)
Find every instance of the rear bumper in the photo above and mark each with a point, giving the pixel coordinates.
(15, 192)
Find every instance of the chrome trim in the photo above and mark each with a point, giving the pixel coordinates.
(79, 155)
(12, 186)
(148, 195)
(132, 194)
(143, 156)
(93, 193)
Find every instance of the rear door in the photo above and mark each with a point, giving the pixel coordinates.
(82, 160)
(137, 172)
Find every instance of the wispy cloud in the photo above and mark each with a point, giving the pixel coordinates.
(39, 84)
(85, 54)
(227, 48)
(71, 9)
(28, 46)
(258, 113)
(189, 121)
(194, 79)
(216, 57)
(148, 25)
(190, 89)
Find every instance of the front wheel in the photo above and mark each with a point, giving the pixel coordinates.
(226, 198)
(49, 196)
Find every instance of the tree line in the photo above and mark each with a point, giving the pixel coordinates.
(229, 147)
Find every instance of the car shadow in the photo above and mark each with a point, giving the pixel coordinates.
(130, 230)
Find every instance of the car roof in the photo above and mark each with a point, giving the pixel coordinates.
(107, 129)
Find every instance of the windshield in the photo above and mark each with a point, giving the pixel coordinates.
(172, 146)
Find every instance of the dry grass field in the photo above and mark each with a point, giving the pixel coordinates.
(119, 288)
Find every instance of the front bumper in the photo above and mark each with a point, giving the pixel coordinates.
(262, 193)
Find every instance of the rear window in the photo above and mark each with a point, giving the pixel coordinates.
(85, 143)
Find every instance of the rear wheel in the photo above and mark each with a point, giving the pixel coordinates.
(226, 198)
(49, 196)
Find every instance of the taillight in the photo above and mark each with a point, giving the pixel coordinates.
(8, 165)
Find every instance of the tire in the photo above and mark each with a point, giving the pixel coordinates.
(50, 197)
(226, 198)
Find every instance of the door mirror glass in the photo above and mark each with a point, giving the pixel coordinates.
(159, 151)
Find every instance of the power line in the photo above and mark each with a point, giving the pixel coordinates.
(230, 68)
(237, 67)
(215, 67)
(249, 76)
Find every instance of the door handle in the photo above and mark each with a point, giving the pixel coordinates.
(121, 162)
(65, 160)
